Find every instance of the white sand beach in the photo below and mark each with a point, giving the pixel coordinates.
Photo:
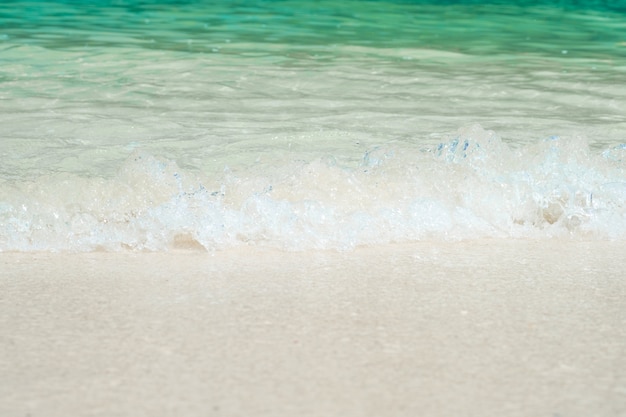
(492, 328)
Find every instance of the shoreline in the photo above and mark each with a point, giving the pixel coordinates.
(511, 328)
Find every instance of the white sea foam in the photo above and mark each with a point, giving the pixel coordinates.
(471, 186)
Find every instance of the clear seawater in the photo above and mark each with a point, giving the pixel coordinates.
(151, 125)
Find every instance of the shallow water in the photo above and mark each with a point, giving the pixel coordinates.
(145, 126)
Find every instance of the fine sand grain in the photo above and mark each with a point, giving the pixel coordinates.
(500, 328)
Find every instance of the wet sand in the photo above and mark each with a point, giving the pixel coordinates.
(493, 328)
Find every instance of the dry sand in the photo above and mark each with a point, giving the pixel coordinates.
(467, 329)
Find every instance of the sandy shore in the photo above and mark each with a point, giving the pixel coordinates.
(481, 329)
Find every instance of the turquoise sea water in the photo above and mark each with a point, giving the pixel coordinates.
(147, 125)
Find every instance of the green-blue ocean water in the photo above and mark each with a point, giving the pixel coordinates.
(585, 29)
(309, 124)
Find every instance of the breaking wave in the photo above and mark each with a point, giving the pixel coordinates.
(472, 186)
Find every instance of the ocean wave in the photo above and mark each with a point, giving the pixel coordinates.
(469, 187)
